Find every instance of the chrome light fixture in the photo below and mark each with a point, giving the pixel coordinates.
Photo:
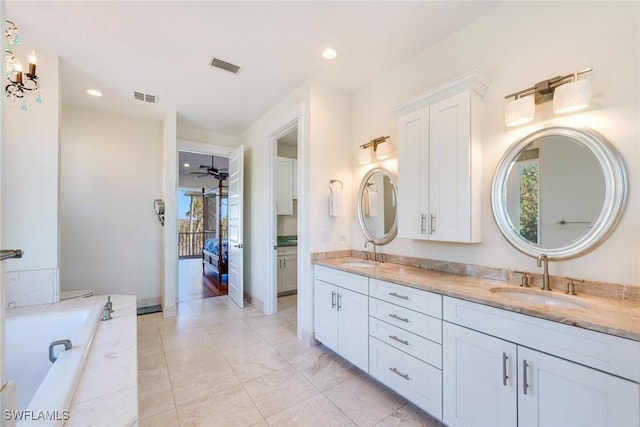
(19, 85)
(381, 148)
(567, 92)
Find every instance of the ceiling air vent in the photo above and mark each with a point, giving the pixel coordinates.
(223, 65)
(145, 97)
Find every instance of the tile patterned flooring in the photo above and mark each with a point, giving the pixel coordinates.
(217, 365)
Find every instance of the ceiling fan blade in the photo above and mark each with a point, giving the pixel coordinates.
(198, 173)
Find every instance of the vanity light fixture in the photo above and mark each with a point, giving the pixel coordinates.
(567, 92)
(380, 147)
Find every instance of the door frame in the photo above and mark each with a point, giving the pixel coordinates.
(170, 229)
(286, 125)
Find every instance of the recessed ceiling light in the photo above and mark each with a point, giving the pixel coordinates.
(329, 54)
(186, 165)
(94, 92)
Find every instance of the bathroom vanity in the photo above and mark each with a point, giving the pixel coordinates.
(474, 351)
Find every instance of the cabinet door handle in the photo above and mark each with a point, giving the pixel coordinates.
(395, 371)
(402, 319)
(524, 376)
(395, 338)
(505, 377)
(432, 224)
(333, 299)
(423, 224)
(339, 302)
(393, 294)
(284, 262)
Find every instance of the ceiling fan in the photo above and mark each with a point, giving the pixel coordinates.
(206, 170)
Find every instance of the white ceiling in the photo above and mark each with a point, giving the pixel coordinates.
(164, 48)
(195, 160)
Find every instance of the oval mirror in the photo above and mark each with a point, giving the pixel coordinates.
(377, 206)
(559, 191)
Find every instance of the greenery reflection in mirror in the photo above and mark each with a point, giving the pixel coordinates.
(559, 191)
(377, 206)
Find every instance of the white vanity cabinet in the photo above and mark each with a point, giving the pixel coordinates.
(341, 314)
(405, 335)
(439, 162)
(284, 186)
(493, 376)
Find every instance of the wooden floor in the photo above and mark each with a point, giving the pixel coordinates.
(194, 284)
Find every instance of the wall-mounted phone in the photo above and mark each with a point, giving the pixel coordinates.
(158, 207)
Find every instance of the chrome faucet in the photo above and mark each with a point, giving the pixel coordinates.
(375, 256)
(543, 261)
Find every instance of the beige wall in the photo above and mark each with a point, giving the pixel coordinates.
(111, 171)
(517, 45)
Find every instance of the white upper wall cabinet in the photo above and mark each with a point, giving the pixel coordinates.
(439, 162)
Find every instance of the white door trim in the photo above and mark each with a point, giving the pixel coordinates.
(285, 125)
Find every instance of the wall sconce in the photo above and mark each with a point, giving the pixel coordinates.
(567, 92)
(381, 148)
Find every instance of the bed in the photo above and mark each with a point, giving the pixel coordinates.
(215, 250)
(214, 257)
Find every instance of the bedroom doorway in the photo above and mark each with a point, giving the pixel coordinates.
(202, 226)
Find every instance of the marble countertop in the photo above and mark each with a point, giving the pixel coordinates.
(607, 315)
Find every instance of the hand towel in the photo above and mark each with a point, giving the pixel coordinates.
(335, 203)
(373, 203)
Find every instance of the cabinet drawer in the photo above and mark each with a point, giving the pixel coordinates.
(416, 346)
(415, 380)
(343, 279)
(412, 321)
(287, 250)
(619, 356)
(415, 299)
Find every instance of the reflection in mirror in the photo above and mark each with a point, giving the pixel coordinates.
(559, 191)
(377, 206)
(555, 191)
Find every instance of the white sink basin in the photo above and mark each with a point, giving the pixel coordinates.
(545, 298)
(360, 263)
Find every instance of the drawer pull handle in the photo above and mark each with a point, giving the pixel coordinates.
(524, 376)
(393, 294)
(339, 302)
(333, 299)
(395, 371)
(505, 377)
(395, 338)
(402, 319)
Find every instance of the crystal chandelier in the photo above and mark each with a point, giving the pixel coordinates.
(20, 85)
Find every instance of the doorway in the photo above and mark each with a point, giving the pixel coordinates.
(202, 225)
(284, 149)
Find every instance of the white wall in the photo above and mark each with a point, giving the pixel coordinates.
(517, 45)
(324, 154)
(111, 171)
(30, 189)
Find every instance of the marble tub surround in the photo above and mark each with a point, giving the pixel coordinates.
(107, 390)
(611, 316)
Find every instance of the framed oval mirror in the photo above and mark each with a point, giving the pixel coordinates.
(559, 191)
(377, 206)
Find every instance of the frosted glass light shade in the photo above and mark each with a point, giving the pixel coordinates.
(383, 151)
(520, 111)
(572, 96)
(364, 156)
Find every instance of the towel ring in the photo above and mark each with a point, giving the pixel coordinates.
(333, 181)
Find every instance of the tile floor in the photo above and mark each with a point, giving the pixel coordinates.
(217, 365)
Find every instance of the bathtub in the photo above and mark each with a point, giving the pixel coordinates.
(42, 386)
